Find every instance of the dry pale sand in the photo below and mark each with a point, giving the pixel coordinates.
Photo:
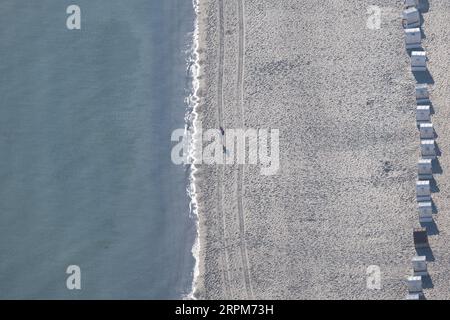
(342, 96)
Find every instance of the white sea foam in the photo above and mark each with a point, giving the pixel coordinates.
(191, 128)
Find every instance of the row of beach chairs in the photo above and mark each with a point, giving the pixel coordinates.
(428, 150)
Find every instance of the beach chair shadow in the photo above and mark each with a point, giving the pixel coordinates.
(436, 166)
(432, 228)
(424, 6)
(427, 252)
(422, 20)
(423, 77)
(427, 282)
(434, 209)
(422, 33)
(434, 187)
(432, 111)
(438, 150)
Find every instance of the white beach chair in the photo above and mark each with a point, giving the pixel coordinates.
(411, 18)
(423, 114)
(413, 38)
(422, 94)
(428, 149)
(426, 130)
(420, 266)
(425, 169)
(415, 284)
(425, 211)
(423, 190)
(410, 4)
(418, 61)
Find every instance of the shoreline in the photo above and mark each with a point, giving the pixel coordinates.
(192, 120)
(94, 186)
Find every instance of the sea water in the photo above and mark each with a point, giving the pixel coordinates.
(86, 177)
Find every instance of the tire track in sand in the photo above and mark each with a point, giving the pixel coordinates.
(225, 259)
(240, 173)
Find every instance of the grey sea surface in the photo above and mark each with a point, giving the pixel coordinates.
(85, 172)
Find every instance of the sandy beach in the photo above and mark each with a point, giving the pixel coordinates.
(342, 96)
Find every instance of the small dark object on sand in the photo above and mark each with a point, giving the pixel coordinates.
(420, 238)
